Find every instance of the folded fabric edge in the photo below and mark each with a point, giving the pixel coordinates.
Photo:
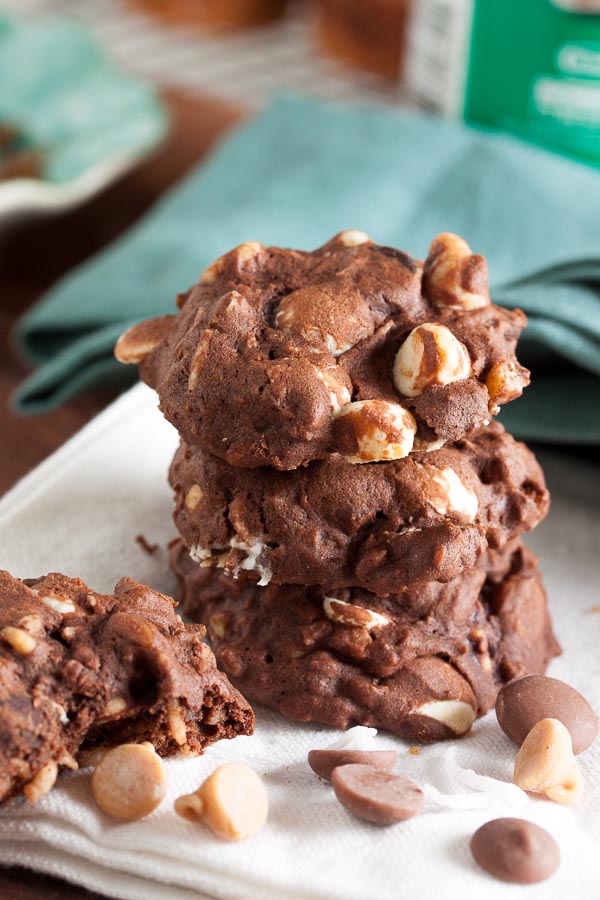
(91, 875)
(86, 364)
(39, 341)
(567, 343)
(556, 409)
(42, 393)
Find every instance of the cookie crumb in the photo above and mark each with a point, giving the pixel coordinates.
(414, 751)
(146, 546)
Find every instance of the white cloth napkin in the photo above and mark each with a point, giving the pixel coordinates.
(79, 513)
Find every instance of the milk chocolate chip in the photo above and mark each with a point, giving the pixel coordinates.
(323, 762)
(376, 795)
(515, 850)
(522, 703)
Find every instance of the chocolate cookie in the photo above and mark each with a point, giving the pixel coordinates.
(84, 670)
(282, 357)
(422, 670)
(380, 527)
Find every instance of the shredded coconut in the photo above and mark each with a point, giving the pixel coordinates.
(490, 793)
(251, 564)
(358, 738)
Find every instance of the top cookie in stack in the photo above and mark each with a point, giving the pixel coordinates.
(281, 357)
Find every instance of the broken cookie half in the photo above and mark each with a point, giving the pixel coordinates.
(81, 671)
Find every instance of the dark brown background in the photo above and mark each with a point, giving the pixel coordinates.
(32, 257)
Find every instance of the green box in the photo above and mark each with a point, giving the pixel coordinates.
(530, 67)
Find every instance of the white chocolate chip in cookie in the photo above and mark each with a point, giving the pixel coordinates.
(198, 360)
(381, 430)
(422, 446)
(129, 782)
(176, 722)
(193, 497)
(212, 271)
(431, 356)
(453, 276)
(218, 625)
(339, 394)
(115, 706)
(332, 345)
(505, 382)
(241, 254)
(42, 782)
(343, 613)
(21, 641)
(456, 715)
(248, 250)
(232, 802)
(353, 238)
(452, 496)
(61, 605)
(140, 340)
(32, 624)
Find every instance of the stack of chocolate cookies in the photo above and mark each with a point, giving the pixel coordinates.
(350, 515)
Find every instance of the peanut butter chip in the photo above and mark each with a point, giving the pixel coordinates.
(129, 782)
(546, 765)
(232, 802)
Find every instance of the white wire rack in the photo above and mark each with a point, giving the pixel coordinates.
(245, 67)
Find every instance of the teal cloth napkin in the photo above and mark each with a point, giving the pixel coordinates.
(302, 171)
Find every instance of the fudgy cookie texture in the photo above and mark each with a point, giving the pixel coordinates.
(420, 667)
(82, 670)
(280, 357)
(381, 527)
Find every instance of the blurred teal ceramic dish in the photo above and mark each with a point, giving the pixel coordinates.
(88, 119)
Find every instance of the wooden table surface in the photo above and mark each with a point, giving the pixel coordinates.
(32, 258)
